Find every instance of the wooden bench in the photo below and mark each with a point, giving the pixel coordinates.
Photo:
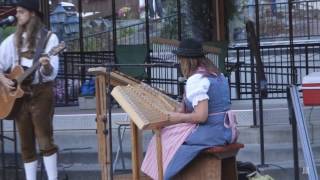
(216, 163)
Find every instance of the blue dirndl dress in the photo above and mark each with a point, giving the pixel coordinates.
(208, 134)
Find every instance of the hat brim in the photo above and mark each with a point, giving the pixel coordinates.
(28, 7)
(189, 54)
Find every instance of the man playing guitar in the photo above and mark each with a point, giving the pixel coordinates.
(34, 118)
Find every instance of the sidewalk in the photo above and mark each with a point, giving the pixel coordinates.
(75, 133)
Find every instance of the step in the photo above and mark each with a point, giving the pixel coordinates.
(84, 140)
(88, 171)
(75, 172)
(274, 116)
(285, 171)
(276, 133)
(244, 117)
(274, 153)
(88, 138)
(70, 118)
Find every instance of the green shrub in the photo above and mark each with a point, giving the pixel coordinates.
(7, 31)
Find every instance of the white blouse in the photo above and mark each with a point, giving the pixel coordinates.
(197, 87)
(9, 57)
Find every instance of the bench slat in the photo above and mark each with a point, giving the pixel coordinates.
(224, 149)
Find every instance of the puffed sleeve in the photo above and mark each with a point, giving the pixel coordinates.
(54, 60)
(7, 53)
(197, 87)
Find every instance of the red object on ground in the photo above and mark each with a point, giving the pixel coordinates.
(311, 89)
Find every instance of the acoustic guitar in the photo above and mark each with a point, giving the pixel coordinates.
(9, 101)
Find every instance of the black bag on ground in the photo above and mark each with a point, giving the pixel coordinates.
(245, 168)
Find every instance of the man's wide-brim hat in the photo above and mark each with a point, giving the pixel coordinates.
(190, 48)
(31, 5)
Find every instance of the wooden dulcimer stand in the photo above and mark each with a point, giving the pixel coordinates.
(148, 109)
(116, 79)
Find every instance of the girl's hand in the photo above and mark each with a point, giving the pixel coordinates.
(6, 83)
(174, 117)
(199, 115)
(44, 60)
(181, 108)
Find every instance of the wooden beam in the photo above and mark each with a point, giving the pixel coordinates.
(136, 153)
(101, 111)
(220, 20)
(159, 154)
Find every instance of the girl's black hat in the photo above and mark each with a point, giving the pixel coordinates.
(31, 5)
(190, 48)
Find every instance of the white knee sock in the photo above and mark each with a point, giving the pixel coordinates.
(50, 162)
(31, 170)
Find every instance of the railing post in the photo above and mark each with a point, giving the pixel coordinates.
(148, 40)
(2, 150)
(308, 20)
(237, 78)
(179, 20)
(65, 69)
(292, 65)
(257, 20)
(82, 60)
(253, 90)
(293, 123)
(307, 59)
(15, 146)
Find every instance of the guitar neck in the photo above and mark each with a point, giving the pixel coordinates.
(31, 70)
(28, 72)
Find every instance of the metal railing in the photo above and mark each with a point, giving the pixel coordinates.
(130, 34)
(274, 20)
(165, 78)
(164, 75)
(73, 73)
(98, 49)
(274, 57)
(276, 60)
(7, 2)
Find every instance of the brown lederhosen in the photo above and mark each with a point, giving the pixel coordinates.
(35, 121)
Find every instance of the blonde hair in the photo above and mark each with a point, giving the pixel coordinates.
(190, 65)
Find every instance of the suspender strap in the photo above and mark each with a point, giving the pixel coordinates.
(41, 44)
(44, 37)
